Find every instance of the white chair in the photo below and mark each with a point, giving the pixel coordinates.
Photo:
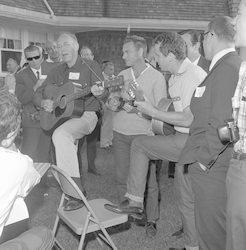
(93, 217)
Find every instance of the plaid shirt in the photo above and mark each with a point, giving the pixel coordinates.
(239, 107)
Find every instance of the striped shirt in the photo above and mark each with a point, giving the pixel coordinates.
(239, 107)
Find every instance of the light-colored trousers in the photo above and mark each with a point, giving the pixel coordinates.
(147, 148)
(236, 206)
(65, 139)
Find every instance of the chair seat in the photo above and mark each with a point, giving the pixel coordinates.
(76, 219)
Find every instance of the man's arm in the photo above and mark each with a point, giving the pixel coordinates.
(182, 119)
(23, 92)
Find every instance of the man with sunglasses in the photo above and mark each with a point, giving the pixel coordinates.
(36, 142)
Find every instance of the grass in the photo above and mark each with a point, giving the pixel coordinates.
(44, 200)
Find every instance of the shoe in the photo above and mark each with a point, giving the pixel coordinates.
(178, 234)
(107, 147)
(74, 204)
(151, 229)
(94, 171)
(135, 212)
(124, 203)
(173, 248)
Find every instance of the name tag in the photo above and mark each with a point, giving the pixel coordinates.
(43, 77)
(199, 91)
(74, 76)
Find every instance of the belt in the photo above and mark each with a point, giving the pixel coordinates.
(239, 156)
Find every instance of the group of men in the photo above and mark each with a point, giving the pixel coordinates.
(202, 102)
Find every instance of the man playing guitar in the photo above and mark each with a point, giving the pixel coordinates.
(66, 136)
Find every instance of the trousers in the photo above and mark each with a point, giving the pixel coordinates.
(65, 139)
(122, 147)
(236, 206)
(147, 148)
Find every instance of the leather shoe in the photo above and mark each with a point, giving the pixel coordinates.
(173, 248)
(135, 212)
(151, 229)
(73, 203)
(178, 234)
(94, 171)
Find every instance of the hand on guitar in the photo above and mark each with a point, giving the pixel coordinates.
(145, 107)
(47, 105)
(129, 108)
(97, 90)
(113, 103)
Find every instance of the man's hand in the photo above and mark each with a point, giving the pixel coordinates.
(38, 84)
(113, 103)
(145, 107)
(128, 108)
(47, 105)
(97, 90)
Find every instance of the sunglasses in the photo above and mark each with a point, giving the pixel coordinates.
(31, 58)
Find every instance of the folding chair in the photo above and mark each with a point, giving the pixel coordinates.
(92, 217)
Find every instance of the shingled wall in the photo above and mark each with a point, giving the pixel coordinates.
(107, 45)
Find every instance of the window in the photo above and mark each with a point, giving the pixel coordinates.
(10, 46)
(36, 38)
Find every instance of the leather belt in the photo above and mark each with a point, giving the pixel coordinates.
(239, 156)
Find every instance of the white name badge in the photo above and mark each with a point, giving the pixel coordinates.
(74, 76)
(199, 91)
(43, 77)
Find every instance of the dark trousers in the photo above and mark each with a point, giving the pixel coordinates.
(91, 145)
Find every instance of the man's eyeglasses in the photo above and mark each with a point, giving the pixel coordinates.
(31, 58)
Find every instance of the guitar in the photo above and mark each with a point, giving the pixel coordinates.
(165, 104)
(65, 101)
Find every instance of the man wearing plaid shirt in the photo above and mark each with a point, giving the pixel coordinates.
(236, 176)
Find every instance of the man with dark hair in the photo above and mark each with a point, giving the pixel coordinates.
(66, 136)
(129, 124)
(13, 67)
(205, 156)
(91, 139)
(86, 53)
(36, 142)
(170, 52)
(106, 135)
(192, 39)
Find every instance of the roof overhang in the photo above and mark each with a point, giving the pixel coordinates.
(31, 20)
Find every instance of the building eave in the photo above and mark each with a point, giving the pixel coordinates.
(32, 19)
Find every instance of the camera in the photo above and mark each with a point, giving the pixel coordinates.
(228, 133)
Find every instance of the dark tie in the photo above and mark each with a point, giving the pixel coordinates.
(37, 74)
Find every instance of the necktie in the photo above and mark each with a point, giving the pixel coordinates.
(37, 74)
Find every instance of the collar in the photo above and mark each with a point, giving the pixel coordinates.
(219, 55)
(183, 66)
(77, 64)
(197, 60)
(35, 71)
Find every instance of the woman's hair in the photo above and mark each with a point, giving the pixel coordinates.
(10, 114)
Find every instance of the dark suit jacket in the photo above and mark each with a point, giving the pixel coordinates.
(204, 64)
(210, 110)
(25, 80)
